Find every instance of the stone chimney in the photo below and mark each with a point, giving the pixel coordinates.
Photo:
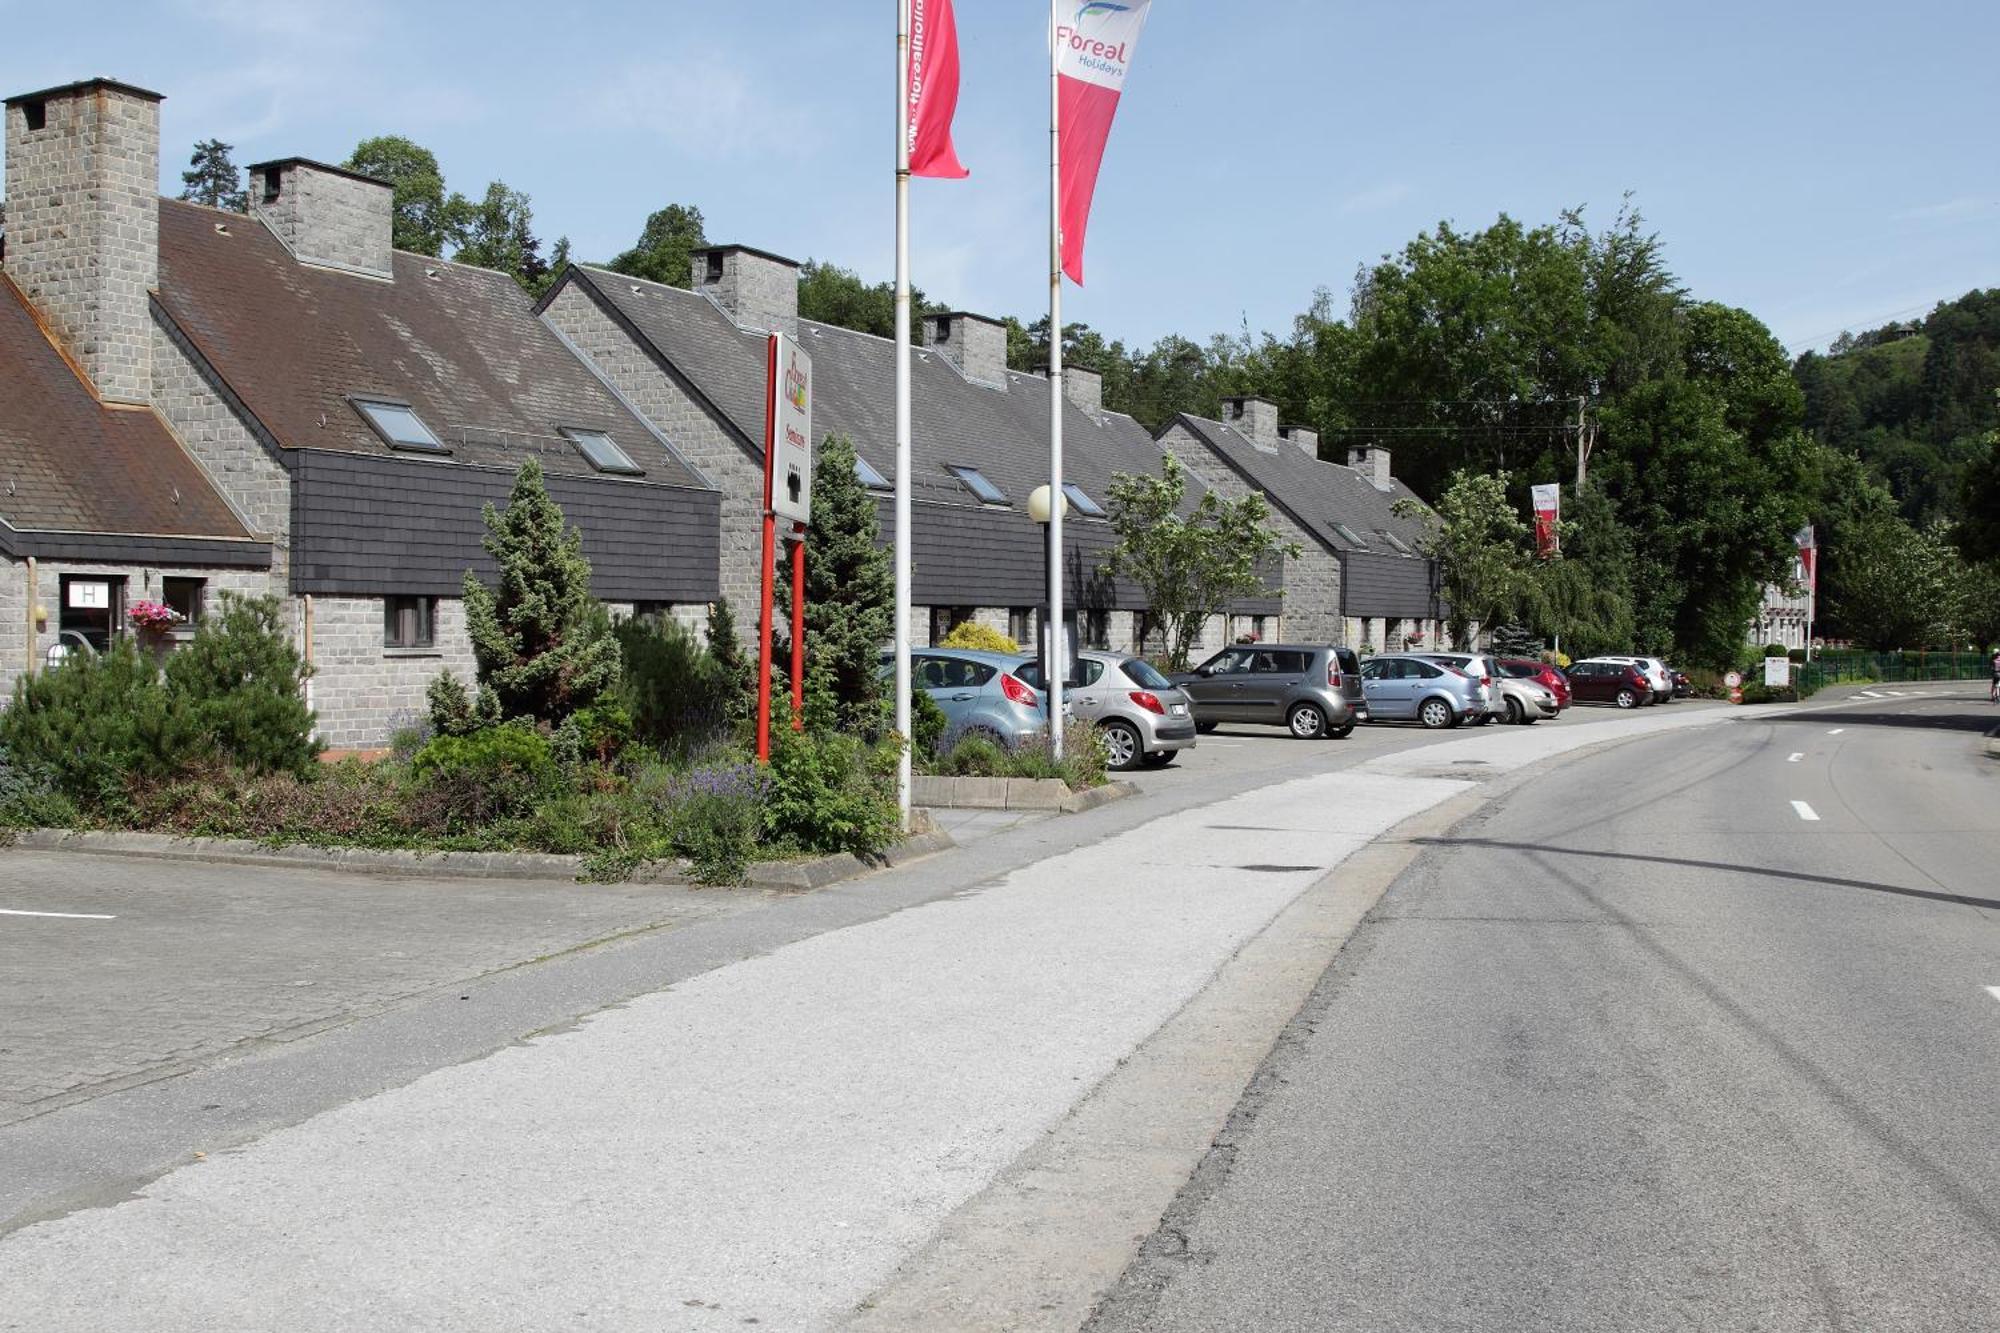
(975, 344)
(83, 224)
(1372, 462)
(326, 216)
(759, 290)
(1304, 437)
(1255, 417)
(1084, 389)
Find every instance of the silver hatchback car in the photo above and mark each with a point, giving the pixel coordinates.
(1408, 687)
(980, 693)
(1142, 716)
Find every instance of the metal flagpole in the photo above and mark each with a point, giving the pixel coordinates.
(1058, 640)
(903, 723)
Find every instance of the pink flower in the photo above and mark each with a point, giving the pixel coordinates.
(151, 615)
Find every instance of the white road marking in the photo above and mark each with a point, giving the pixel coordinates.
(1870, 694)
(1795, 759)
(1806, 812)
(1836, 731)
(66, 916)
(1994, 991)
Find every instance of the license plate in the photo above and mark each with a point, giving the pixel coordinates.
(1179, 710)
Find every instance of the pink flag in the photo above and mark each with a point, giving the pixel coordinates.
(933, 89)
(1093, 54)
(1808, 543)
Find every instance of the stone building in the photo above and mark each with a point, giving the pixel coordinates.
(693, 362)
(302, 409)
(1356, 578)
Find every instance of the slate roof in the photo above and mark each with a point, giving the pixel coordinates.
(71, 465)
(1314, 493)
(461, 345)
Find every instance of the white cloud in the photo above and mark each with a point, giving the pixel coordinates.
(1954, 210)
(1376, 198)
(705, 106)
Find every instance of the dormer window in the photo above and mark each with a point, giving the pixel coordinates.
(601, 451)
(870, 478)
(975, 481)
(1081, 502)
(399, 425)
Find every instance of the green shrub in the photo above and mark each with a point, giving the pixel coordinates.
(831, 793)
(975, 637)
(927, 723)
(86, 725)
(677, 694)
(493, 774)
(593, 735)
(976, 757)
(237, 689)
(27, 800)
(716, 819)
(1774, 650)
(452, 710)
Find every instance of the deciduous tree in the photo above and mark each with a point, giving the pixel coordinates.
(671, 235)
(421, 222)
(1480, 543)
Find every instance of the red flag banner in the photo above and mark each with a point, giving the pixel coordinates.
(1808, 543)
(1093, 53)
(1548, 514)
(933, 89)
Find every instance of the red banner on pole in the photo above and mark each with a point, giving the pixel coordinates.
(1548, 515)
(1093, 54)
(933, 89)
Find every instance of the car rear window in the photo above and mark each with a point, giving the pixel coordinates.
(1144, 674)
(1277, 663)
(951, 673)
(1520, 670)
(1348, 661)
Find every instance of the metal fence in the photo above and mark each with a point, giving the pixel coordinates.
(1835, 668)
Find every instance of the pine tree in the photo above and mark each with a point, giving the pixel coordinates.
(541, 649)
(212, 178)
(850, 591)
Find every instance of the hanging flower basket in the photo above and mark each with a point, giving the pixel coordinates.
(152, 617)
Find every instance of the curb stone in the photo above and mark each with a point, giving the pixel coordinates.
(793, 876)
(1050, 794)
(1993, 743)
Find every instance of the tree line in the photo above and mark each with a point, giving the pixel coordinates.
(1690, 446)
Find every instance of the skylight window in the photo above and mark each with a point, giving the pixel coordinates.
(1082, 503)
(870, 478)
(399, 426)
(1348, 535)
(975, 481)
(601, 451)
(1396, 542)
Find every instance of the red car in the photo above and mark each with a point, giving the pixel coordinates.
(1542, 673)
(1621, 683)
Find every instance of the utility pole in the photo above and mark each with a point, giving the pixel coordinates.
(1586, 436)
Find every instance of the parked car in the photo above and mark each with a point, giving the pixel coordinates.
(1546, 673)
(1407, 687)
(1312, 689)
(1523, 702)
(1658, 678)
(1683, 687)
(1143, 718)
(1600, 681)
(981, 693)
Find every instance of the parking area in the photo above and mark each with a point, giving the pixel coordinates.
(114, 971)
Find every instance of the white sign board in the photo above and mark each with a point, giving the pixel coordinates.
(1733, 680)
(1778, 672)
(90, 596)
(789, 431)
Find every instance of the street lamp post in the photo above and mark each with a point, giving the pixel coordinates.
(1041, 508)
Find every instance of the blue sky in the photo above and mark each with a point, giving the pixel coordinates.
(1825, 165)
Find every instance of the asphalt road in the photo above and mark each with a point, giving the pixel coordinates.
(1694, 1032)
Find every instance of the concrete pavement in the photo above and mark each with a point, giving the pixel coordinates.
(1694, 1032)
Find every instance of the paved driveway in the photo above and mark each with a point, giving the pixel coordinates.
(144, 968)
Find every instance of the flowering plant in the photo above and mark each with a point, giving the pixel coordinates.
(152, 615)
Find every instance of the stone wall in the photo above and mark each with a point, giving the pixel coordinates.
(1312, 577)
(975, 344)
(760, 291)
(250, 478)
(326, 217)
(707, 445)
(83, 227)
(364, 691)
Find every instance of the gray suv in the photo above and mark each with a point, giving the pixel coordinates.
(1311, 689)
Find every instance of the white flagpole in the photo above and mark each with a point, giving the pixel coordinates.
(1058, 639)
(903, 403)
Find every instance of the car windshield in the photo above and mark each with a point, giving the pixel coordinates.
(1144, 674)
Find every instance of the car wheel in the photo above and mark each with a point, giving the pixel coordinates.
(1627, 699)
(1516, 715)
(1436, 714)
(1342, 732)
(1204, 728)
(1121, 745)
(1157, 758)
(1306, 721)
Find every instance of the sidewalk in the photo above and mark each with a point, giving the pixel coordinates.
(764, 1142)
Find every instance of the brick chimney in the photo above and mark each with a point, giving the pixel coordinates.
(1303, 436)
(1372, 462)
(83, 224)
(759, 290)
(327, 216)
(975, 344)
(1255, 417)
(1084, 389)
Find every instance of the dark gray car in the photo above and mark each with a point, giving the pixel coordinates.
(1310, 689)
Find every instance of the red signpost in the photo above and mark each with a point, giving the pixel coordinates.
(787, 495)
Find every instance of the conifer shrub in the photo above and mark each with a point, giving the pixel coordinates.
(498, 773)
(676, 691)
(831, 792)
(975, 637)
(85, 726)
(236, 690)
